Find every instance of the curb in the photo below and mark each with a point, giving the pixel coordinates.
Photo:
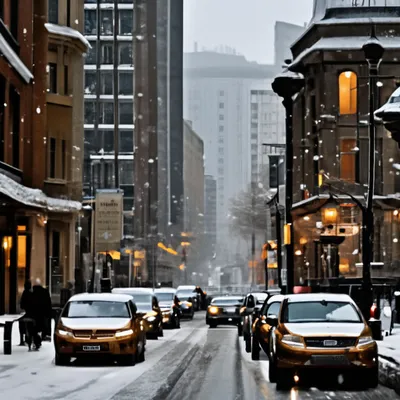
(389, 373)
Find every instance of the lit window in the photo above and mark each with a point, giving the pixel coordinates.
(347, 93)
(348, 160)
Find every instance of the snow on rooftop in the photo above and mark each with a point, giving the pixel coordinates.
(14, 60)
(35, 197)
(67, 31)
(344, 43)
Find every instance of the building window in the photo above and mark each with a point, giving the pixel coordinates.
(347, 93)
(68, 12)
(348, 160)
(91, 54)
(106, 22)
(107, 84)
(125, 53)
(106, 113)
(52, 78)
(221, 93)
(108, 141)
(90, 22)
(126, 83)
(90, 112)
(221, 105)
(66, 80)
(63, 159)
(126, 141)
(221, 117)
(126, 113)
(53, 11)
(107, 53)
(52, 166)
(90, 82)
(221, 128)
(125, 22)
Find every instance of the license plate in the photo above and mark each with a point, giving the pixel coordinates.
(91, 348)
(329, 360)
(231, 309)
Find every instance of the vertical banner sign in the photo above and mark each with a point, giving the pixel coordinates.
(109, 214)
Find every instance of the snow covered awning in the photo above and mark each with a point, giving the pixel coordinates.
(35, 197)
(67, 31)
(14, 60)
(344, 43)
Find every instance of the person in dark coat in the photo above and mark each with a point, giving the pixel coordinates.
(24, 305)
(42, 308)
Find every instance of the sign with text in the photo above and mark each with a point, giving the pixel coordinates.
(108, 220)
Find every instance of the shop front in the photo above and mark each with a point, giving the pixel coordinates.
(328, 238)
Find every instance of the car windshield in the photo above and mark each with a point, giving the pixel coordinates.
(143, 307)
(165, 296)
(321, 311)
(186, 294)
(223, 302)
(96, 309)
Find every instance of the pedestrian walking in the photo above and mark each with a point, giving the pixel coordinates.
(42, 309)
(24, 302)
(28, 304)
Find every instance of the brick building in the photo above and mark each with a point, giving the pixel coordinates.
(331, 143)
(41, 123)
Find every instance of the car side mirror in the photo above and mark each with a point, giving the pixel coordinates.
(272, 320)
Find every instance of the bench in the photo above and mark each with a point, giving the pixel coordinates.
(7, 322)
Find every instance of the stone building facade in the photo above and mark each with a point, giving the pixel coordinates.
(41, 126)
(331, 144)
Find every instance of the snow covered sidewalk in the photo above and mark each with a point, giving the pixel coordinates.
(389, 360)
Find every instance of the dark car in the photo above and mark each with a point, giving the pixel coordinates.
(224, 311)
(170, 308)
(147, 308)
(250, 309)
(191, 294)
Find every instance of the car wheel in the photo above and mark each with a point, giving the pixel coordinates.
(272, 371)
(212, 325)
(240, 330)
(61, 360)
(283, 381)
(152, 335)
(141, 355)
(160, 332)
(247, 342)
(255, 349)
(372, 378)
(128, 360)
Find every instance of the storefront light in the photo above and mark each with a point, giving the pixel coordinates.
(329, 215)
(298, 253)
(396, 213)
(306, 218)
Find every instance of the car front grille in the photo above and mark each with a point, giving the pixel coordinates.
(100, 334)
(83, 334)
(330, 342)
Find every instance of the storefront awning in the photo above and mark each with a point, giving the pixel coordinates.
(315, 203)
(35, 197)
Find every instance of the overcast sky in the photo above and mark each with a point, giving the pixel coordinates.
(247, 25)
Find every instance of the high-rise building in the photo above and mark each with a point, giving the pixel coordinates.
(109, 85)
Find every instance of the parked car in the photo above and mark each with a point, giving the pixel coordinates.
(321, 335)
(147, 308)
(99, 324)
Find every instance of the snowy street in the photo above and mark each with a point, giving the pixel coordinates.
(193, 362)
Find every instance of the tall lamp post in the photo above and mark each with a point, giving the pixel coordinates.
(373, 52)
(286, 85)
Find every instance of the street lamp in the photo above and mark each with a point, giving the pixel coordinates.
(373, 52)
(286, 85)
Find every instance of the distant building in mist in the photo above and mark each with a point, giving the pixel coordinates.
(210, 212)
(217, 99)
(285, 35)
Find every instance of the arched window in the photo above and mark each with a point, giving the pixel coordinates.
(347, 93)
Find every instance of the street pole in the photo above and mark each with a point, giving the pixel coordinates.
(278, 235)
(116, 92)
(286, 85)
(253, 235)
(373, 52)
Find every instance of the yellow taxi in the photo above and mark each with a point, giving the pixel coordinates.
(323, 335)
(99, 324)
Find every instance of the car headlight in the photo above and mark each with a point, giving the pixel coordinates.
(213, 310)
(64, 332)
(189, 304)
(365, 340)
(127, 332)
(294, 341)
(151, 319)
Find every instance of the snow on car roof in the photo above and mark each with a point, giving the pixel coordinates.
(304, 297)
(101, 297)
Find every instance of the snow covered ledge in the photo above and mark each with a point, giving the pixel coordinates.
(68, 32)
(35, 197)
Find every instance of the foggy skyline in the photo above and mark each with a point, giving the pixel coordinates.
(248, 29)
